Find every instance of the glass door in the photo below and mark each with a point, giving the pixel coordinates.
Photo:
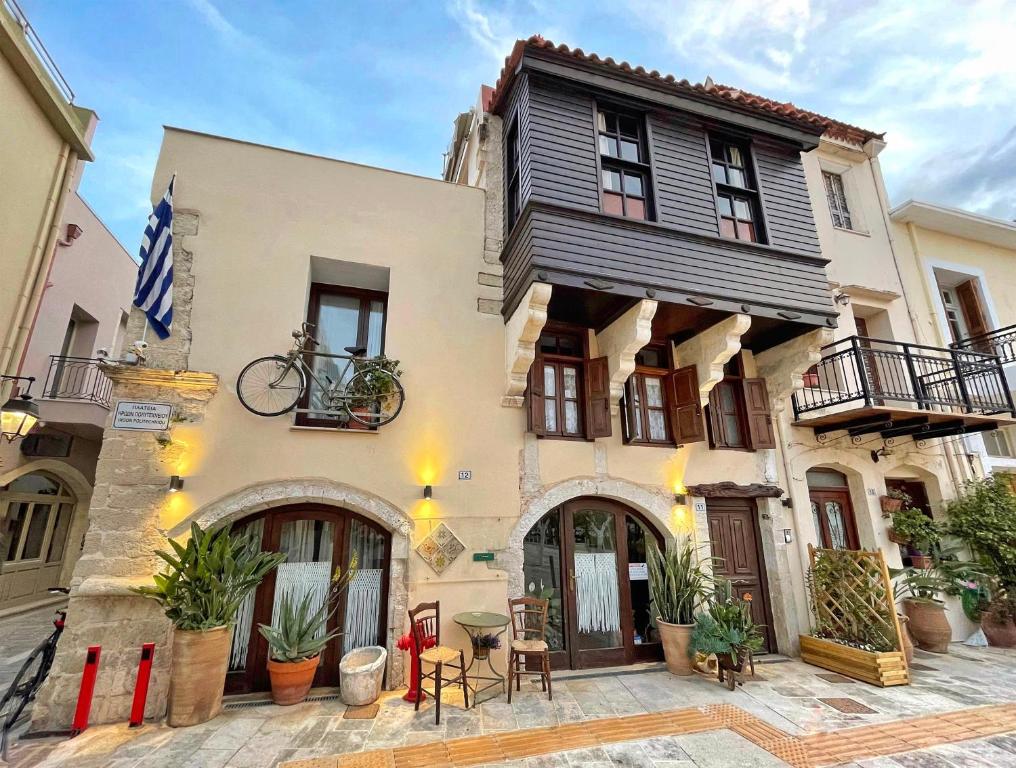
(595, 585)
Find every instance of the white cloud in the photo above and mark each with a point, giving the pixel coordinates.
(486, 29)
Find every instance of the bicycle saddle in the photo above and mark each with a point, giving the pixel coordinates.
(356, 351)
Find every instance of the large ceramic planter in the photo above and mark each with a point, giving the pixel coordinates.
(198, 675)
(291, 680)
(676, 639)
(999, 635)
(908, 641)
(928, 625)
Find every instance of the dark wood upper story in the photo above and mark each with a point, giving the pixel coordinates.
(559, 230)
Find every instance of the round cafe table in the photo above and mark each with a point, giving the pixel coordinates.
(479, 624)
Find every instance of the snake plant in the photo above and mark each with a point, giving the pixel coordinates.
(678, 583)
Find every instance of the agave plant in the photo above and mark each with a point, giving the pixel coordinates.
(678, 583)
(208, 577)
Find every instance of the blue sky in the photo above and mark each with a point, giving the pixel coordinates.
(380, 82)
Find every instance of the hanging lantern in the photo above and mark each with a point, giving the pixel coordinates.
(18, 416)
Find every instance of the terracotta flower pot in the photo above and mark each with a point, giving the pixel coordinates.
(676, 639)
(890, 505)
(921, 561)
(908, 641)
(999, 635)
(928, 625)
(198, 675)
(291, 680)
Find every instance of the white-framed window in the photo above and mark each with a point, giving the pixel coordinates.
(837, 199)
(996, 443)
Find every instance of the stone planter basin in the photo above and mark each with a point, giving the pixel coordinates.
(360, 674)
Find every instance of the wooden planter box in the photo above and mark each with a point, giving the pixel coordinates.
(881, 669)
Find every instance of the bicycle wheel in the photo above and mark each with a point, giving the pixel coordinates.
(270, 386)
(378, 399)
(20, 694)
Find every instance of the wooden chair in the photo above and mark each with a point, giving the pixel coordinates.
(529, 630)
(425, 629)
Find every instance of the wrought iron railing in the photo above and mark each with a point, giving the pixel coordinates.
(77, 378)
(1001, 342)
(880, 372)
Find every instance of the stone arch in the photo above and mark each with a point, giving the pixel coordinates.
(75, 480)
(655, 505)
(316, 490)
(906, 466)
(852, 467)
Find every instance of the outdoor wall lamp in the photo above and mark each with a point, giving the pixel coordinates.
(175, 483)
(681, 498)
(20, 413)
(428, 491)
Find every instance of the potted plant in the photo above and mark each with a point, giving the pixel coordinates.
(984, 518)
(921, 589)
(201, 590)
(371, 385)
(727, 630)
(678, 584)
(484, 644)
(297, 637)
(893, 501)
(915, 530)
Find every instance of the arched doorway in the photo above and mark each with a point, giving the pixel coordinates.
(36, 512)
(588, 557)
(316, 539)
(831, 509)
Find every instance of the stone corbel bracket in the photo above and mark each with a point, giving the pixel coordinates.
(619, 342)
(521, 334)
(710, 351)
(784, 365)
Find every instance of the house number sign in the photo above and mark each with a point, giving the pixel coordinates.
(152, 417)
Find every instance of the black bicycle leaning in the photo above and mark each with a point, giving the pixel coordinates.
(29, 679)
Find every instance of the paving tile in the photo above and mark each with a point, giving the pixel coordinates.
(725, 749)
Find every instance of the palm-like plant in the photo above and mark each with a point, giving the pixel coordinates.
(208, 577)
(678, 583)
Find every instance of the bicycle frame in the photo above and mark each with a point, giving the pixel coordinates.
(298, 356)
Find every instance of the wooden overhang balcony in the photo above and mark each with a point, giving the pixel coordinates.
(875, 386)
(1000, 342)
(601, 265)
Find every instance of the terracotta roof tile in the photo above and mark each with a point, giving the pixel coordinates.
(784, 110)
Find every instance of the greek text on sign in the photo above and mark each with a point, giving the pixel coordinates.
(131, 414)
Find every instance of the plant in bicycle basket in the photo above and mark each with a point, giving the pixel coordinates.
(373, 381)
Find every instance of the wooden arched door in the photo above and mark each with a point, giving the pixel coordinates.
(316, 539)
(831, 509)
(588, 557)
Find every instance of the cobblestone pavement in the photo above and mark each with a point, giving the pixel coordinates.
(18, 636)
(788, 696)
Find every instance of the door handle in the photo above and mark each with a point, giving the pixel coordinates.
(571, 581)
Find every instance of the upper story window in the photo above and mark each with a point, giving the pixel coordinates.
(513, 195)
(569, 394)
(645, 398)
(737, 198)
(624, 164)
(996, 443)
(837, 200)
(342, 317)
(739, 416)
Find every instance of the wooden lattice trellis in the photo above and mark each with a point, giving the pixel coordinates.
(858, 605)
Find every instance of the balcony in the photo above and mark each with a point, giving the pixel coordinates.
(76, 392)
(868, 386)
(1001, 343)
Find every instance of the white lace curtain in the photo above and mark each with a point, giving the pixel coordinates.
(363, 605)
(598, 599)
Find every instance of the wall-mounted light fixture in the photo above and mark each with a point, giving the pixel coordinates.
(842, 299)
(428, 492)
(787, 502)
(20, 413)
(681, 498)
(175, 483)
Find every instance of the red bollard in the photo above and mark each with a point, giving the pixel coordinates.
(141, 685)
(84, 707)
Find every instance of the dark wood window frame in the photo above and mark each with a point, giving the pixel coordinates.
(313, 308)
(625, 169)
(559, 361)
(728, 194)
(513, 176)
(635, 397)
(751, 413)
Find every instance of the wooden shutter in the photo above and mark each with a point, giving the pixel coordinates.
(681, 389)
(597, 381)
(757, 415)
(970, 304)
(534, 398)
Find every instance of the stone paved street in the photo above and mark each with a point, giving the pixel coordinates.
(786, 695)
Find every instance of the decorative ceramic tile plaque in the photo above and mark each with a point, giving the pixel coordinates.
(439, 548)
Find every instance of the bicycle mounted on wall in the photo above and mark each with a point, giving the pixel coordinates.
(367, 389)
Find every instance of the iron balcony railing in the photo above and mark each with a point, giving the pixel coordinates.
(77, 378)
(888, 373)
(1001, 342)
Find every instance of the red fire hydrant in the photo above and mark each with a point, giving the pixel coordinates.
(406, 644)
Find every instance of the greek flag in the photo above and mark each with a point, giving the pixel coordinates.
(153, 293)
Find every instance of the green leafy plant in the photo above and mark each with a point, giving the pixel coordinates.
(374, 382)
(984, 518)
(299, 633)
(948, 576)
(913, 528)
(726, 626)
(850, 603)
(208, 577)
(677, 582)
